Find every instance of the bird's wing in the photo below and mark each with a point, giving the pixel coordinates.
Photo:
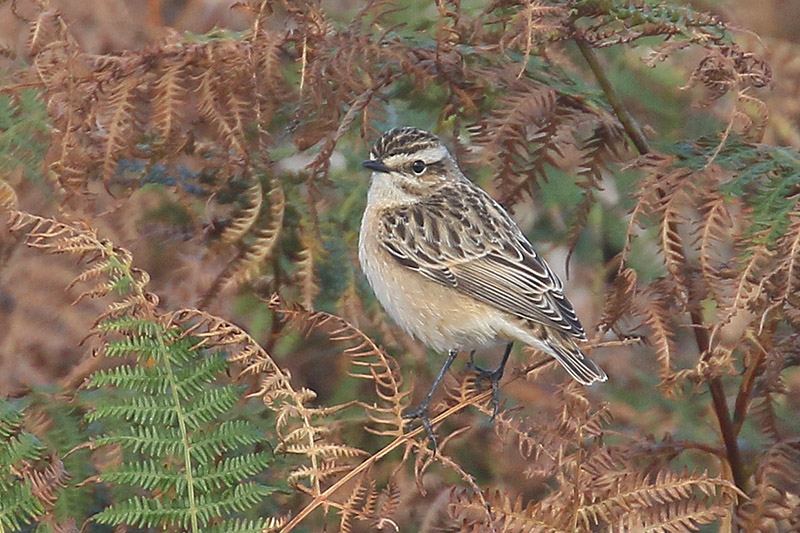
(460, 237)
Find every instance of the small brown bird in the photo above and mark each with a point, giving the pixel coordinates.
(452, 268)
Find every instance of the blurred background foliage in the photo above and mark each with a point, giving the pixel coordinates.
(172, 205)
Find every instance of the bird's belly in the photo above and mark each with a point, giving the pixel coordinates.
(437, 315)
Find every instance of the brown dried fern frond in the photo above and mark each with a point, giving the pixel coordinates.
(597, 152)
(618, 300)
(668, 499)
(728, 68)
(8, 197)
(713, 232)
(670, 241)
(782, 284)
(48, 482)
(120, 125)
(306, 264)
(775, 498)
(368, 362)
(370, 506)
(654, 307)
(301, 428)
(530, 105)
(133, 104)
(246, 264)
(467, 510)
(533, 24)
(321, 163)
(746, 288)
(677, 517)
(554, 443)
(111, 265)
(243, 221)
(169, 93)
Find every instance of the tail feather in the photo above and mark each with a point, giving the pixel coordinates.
(568, 353)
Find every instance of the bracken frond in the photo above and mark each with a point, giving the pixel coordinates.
(368, 362)
(508, 515)
(120, 123)
(169, 93)
(246, 264)
(713, 232)
(654, 308)
(47, 483)
(674, 517)
(596, 153)
(8, 198)
(775, 499)
(670, 240)
(244, 219)
(746, 287)
(306, 263)
(638, 497)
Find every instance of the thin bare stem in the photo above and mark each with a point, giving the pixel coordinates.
(720, 405)
(631, 127)
(718, 399)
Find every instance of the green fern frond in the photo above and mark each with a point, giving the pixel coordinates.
(168, 396)
(18, 449)
(764, 177)
(24, 127)
(18, 507)
(172, 407)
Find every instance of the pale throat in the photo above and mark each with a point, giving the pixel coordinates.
(386, 189)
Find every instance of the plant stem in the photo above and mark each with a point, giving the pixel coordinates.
(628, 123)
(719, 402)
(720, 405)
(187, 444)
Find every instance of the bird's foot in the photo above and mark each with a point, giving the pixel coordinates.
(494, 376)
(421, 413)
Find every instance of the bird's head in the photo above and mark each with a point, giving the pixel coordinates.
(414, 160)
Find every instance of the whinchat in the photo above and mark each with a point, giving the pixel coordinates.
(452, 268)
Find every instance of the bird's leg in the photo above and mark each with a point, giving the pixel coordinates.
(421, 411)
(471, 365)
(493, 375)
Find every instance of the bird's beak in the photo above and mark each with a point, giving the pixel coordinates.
(376, 165)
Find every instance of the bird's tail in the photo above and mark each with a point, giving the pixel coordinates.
(567, 352)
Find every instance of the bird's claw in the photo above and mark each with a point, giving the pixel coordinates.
(421, 413)
(493, 376)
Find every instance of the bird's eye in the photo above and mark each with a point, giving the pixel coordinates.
(418, 166)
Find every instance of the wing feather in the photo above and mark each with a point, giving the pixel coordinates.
(460, 237)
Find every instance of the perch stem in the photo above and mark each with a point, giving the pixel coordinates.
(719, 402)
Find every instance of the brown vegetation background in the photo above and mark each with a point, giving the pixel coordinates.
(222, 213)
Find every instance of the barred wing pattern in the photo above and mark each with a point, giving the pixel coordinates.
(460, 237)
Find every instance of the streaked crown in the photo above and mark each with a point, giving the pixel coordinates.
(403, 141)
(412, 156)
